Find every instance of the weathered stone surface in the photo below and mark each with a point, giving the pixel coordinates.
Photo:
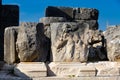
(93, 24)
(78, 78)
(87, 71)
(86, 14)
(47, 20)
(31, 69)
(75, 42)
(112, 35)
(31, 42)
(64, 69)
(10, 37)
(67, 42)
(66, 12)
(107, 69)
(97, 47)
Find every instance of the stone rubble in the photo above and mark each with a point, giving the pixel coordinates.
(65, 45)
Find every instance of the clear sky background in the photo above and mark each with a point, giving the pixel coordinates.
(32, 10)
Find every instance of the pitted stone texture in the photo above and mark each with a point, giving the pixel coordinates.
(112, 35)
(67, 42)
(31, 70)
(66, 12)
(10, 37)
(86, 14)
(31, 42)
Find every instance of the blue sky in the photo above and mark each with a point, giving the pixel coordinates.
(32, 10)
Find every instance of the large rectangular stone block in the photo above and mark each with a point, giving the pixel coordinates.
(10, 15)
(32, 45)
(64, 69)
(10, 37)
(66, 12)
(67, 42)
(31, 70)
(86, 14)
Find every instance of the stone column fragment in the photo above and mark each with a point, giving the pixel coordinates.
(10, 36)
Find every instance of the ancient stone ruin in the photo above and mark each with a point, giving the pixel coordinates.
(65, 45)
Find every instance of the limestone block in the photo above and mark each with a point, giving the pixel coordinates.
(76, 42)
(93, 24)
(10, 37)
(87, 71)
(47, 20)
(10, 15)
(31, 43)
(67, 42)
(66, 12)
(64, 69)
(112, 36)
(86, 14)
(108, 72)
(78, 78)
(107, 68)
(31, 70)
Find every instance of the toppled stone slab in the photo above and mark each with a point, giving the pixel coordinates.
(112, 36)
(10, 37)
(66, 12)
(31, 42)
(31, 70)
